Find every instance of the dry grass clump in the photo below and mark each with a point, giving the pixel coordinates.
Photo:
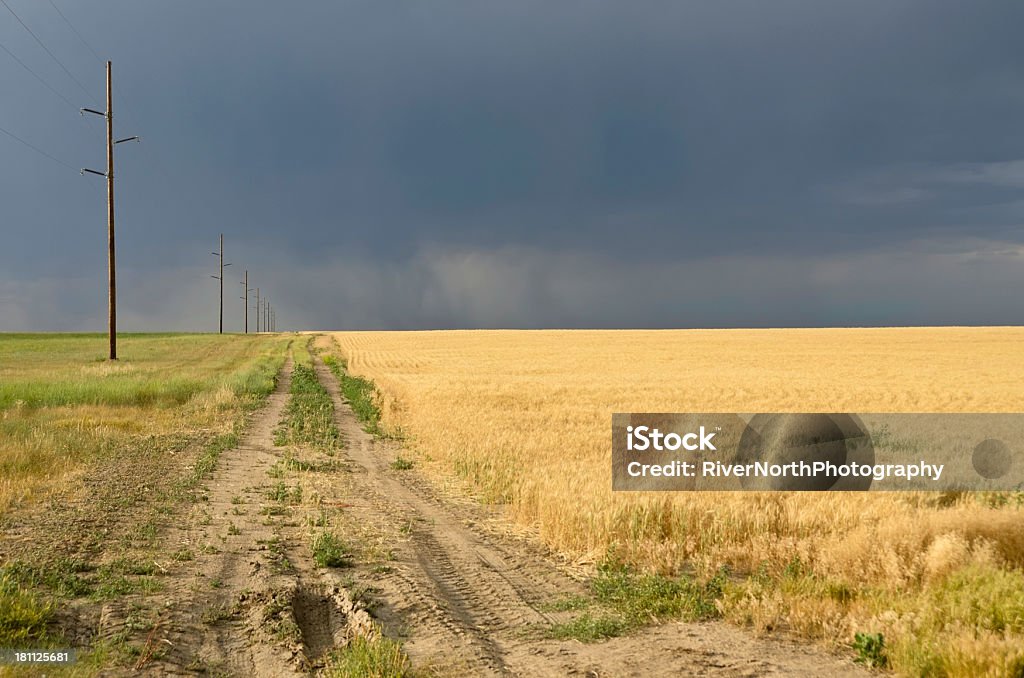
(525, 419)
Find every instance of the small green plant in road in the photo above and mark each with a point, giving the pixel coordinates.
(569, 603)
(870, 649)
(369, 658)
(182, 555)
(402, 464)
(588, 628)
(279, 492)
(330, 551)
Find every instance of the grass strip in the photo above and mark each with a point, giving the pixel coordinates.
(309, 415)
(361, 394)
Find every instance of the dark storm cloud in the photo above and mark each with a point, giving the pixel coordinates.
(620, 144)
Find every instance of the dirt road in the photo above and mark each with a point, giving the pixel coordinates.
(240, 595)
(243, 597)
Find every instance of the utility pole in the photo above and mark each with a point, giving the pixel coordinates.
(246, 299)
(266, 316)
(257, 310)
(221, 279)
(111, 250)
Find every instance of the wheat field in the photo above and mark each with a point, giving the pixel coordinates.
(523, 418)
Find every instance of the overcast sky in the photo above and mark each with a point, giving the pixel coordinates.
(647, 163)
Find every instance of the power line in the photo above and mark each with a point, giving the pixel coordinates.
(37, 76)
(89, 47)
(47, 49)
(126, 109)
(37, 149)
(75, 31)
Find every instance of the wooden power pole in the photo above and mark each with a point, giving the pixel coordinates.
(221, 319)
(245, 298)
(111, 249)
(221, 279)
(257, 310)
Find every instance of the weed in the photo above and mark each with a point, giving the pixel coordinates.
(23, 616)
(870, 649)
(62, 577)
(402, 464)
(330, 551)
(279, 492)
(293, 464)
(363, 657)
(182, 555)
(567, 604)
(588, 628)
(218, 613)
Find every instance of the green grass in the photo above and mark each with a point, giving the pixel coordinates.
(590, 628)
(369, 658)
(63, 577)
(330, 551)
(55, 370)
(23, 615)
(309, 415)
(361, 394)
(402, 464)
(870, 649)
(67, 578)
(627, 600)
